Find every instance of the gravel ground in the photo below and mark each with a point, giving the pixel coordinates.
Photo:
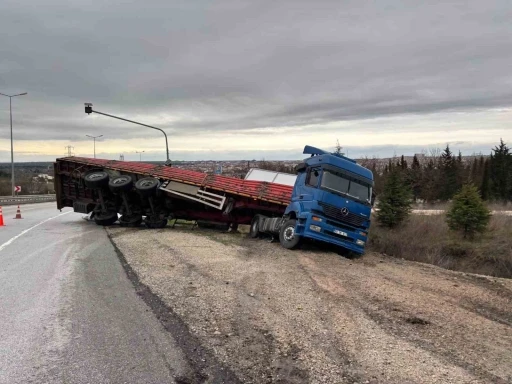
(310, 316)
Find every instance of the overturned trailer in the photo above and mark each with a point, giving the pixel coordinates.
(330, 199)
(157, 193)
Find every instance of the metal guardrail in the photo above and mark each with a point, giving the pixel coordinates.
(26, 199)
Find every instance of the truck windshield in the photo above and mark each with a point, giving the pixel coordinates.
(346, 186)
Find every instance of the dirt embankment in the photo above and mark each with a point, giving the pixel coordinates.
(307, 316)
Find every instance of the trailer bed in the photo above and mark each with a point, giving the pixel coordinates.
(257, 190)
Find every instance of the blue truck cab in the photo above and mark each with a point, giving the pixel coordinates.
(331, 202)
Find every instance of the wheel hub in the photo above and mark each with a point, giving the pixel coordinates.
(289, 233)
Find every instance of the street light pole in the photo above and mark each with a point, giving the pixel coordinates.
(94, 139)
(140, 154)
(12, 147)
(89, 110)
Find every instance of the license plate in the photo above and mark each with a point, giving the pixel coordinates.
(340, 233)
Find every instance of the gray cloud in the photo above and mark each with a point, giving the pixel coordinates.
(236, 65)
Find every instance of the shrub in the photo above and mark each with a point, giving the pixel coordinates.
(427, 239)
(468, 212)
(395, 201)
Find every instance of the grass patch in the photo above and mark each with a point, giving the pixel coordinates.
(427, 239)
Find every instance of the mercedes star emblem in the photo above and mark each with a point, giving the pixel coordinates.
(344, 211)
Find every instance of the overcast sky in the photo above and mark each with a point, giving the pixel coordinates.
(255, 79)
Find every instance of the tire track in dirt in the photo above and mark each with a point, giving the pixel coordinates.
(279, 316)
(401, 322)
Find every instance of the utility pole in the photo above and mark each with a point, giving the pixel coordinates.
(12, 148)
(69, 148)
(121, 157)
(94, 139)
(140, 154)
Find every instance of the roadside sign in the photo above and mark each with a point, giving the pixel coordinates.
(17, 188)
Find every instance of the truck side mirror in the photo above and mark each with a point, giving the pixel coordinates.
(373, 198)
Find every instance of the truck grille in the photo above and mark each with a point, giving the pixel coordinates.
(350, 218)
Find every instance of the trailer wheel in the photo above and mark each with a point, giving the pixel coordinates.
(147, 186)
(287, 236)
(130, 220)
(105, 218)
(254, 231)
(96, 179)
(121, 183)
(155, 223)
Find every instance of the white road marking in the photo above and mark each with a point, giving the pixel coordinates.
(29, 229)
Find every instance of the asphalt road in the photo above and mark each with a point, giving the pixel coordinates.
(68, 313)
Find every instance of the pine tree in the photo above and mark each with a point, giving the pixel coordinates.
(415, 178)
(481, 164)
(403, 163)
(394, 202)
(449, 174)
(485, 188)
(474, 171)
(338, 148)
(501, 172)
(430, 190)
(463, 172)
(468, 213)
(415, 163)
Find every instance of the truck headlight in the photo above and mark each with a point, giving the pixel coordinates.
(360, 243)
(315, 228)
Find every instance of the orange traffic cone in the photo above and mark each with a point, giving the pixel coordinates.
(1, 218)
(18, 214)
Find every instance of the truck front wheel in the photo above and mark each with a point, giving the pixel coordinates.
(287, 236)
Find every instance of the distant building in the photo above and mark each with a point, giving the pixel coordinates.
(45, 176)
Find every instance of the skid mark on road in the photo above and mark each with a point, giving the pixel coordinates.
(29, 229)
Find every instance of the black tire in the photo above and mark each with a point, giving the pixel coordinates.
(147, 186)
(254, 231)
(130, 220)
(155, 223)
(287, 236)
(96, 179)
(105, 218)
(122, 183)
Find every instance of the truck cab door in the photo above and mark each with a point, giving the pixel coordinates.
(306, 186)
